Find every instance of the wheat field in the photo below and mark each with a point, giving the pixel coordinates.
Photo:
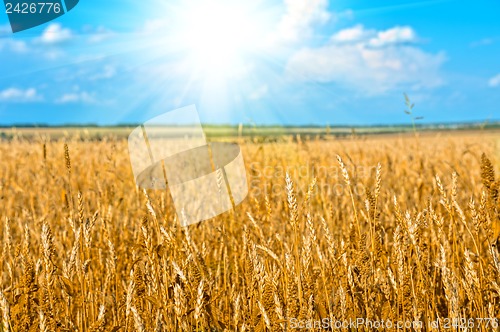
(381, 229)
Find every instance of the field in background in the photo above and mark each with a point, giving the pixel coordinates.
(397, 228)
(261, 133)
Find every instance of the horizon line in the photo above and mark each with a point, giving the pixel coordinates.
(274, 125)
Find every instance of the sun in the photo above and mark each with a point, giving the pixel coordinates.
(214, 53)
(219, 36)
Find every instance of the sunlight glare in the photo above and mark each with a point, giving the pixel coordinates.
(218, 36)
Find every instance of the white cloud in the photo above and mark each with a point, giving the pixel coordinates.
(44, 45)
(350, 35)
(55, 34)
(301, 17)
(108, 71)
(16, 46)
(393, 36)
(100, 34)
(396, 35)
(4, 29)
(483, 42)
(19, 95)
(370, 61)
(52, 54)
(76, 97)
(494, 81)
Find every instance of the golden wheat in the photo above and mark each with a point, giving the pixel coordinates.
(385, 228)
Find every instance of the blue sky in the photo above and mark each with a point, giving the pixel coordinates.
(284, 62)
